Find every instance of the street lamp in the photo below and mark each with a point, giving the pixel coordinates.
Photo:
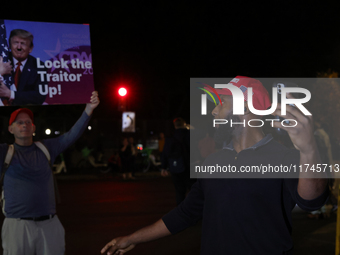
(122, 92)
(48, 131)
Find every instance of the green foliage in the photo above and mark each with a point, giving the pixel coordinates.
(325, 102)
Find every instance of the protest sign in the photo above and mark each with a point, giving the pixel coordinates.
(58, 65)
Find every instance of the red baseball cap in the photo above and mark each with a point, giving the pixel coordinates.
(261, 100)
(20, 110)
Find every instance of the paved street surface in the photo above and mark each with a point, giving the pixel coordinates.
(313, 237)
(96, 209)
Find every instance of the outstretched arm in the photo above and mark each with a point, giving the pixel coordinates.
(121, 245)
(59, 144)
(185, 215)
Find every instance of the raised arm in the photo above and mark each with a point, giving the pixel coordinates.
(59, 144)
(311, 183)
(121, 245)
(94, 102)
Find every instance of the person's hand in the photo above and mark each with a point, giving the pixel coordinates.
(302, 135)
(94, 102)
(5, 68)
(164, 173)
(4, 91)
(118, 246)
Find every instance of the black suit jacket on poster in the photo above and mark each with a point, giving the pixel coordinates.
(28, 87)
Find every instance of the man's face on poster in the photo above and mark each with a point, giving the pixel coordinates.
(20, 48)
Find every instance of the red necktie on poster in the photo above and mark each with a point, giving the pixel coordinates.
(17, 74)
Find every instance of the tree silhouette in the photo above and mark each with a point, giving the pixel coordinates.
(325, 102)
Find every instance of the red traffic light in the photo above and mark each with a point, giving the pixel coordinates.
(122, 91)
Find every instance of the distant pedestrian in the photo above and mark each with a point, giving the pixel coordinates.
(161, 142)
(176, 159)
(114, 163)
(125, 154)
(134, 151)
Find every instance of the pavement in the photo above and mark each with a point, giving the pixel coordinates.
(92, 174)
(311, 236)
(96, 207)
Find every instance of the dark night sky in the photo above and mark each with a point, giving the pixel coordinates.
(155, 48)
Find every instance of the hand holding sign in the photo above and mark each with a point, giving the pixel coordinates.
(94, 102)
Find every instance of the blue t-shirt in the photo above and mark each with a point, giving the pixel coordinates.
(28, 182)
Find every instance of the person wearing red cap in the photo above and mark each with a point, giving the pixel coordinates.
(244, 216)
(31, 225)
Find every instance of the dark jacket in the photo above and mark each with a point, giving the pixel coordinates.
(28, 87)
(181, 136)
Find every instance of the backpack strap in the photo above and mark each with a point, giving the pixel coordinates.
(8, 159)
(42, 147)
(9, 155)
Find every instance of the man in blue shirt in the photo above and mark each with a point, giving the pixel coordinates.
(31, 225)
